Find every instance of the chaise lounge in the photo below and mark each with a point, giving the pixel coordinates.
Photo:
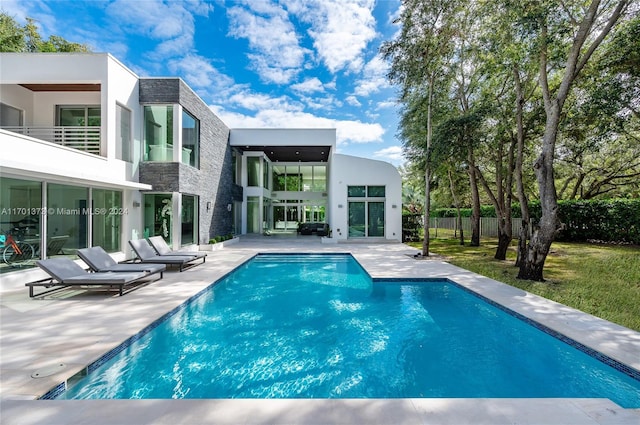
(146, 254)
(99, 260)
(158, 243)
(65, 273)
(307, 228)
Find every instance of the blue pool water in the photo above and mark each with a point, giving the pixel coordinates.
(315, 326)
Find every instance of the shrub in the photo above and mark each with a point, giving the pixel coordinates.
(220, 238)
(610, 220)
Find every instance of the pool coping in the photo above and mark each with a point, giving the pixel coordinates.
(18, 390)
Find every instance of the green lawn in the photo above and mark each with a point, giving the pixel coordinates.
(603, 280)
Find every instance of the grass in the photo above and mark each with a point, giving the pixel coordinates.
(602, 280)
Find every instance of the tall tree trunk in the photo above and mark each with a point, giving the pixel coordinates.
(532, 265)
(502, 197)
(452, 186)
(427, 174)
(523, 237)
(475, 200)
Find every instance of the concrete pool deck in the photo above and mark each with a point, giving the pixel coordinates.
(61, 334)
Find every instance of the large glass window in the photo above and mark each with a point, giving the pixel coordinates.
(300, 178)
(237, 217)
(67, 219)
(314, 212)
(189, 227)
(366, 211)
(265, 174)
(356, 191)
(81, 128)
(68, 216)
(306, 177)
(375, 191)
(107, 219)
(124, 149)
(357, 217)
(10, 116)
(79, 116)
(253, 215)
(319, 178)
(20, 219)
(190, 140)
(158, 212)
(158, 133)
(236, 165)
(279, 177)
(375, 219)
(293, 179)
(253, 171)
(279, 217)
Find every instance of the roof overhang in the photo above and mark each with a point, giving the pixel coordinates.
(292, 153)
(287, 145)
(62, 87)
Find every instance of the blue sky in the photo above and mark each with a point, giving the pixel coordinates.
(257, 63)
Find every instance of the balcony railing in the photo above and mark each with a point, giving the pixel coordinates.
(86, 139)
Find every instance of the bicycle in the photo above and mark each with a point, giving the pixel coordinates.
(15, 253)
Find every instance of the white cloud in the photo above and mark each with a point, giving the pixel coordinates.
(199, 73)
(154, 19)
(276, 53)
(172, 23)
(392, 153)
(353, 101)
(347, 131)
(341, 29)
(374, 77)
(257, 101)
(18, 10)
(310, 85)
(327, 103)
(386, 105)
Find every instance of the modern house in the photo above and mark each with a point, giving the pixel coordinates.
(92, 155)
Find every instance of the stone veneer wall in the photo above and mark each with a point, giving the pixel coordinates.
(213, 182)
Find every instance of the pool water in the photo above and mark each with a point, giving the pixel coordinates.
(316, 326)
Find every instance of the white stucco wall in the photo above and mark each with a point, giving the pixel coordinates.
(354, 171)
(283, 137)
(33, 159)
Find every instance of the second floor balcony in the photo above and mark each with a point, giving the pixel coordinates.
(86, 138)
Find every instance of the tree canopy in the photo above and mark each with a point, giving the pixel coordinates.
(533, 100)
(27, 39)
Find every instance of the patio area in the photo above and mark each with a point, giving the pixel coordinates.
(56, 337)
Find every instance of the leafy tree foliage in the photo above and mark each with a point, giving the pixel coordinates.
(27, 39)
(543, 96)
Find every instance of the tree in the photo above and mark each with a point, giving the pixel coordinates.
(27, 39)
(535, 74)
(418, 59)
(11, 35)
(599, 152)
(509, 92)
(566, 34)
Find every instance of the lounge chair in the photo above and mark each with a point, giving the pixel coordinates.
(65, 272)
(55, 244)
(158, 243)
(99, 260)
(146, 254)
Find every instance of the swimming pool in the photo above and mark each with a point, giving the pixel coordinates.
(316, 326)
